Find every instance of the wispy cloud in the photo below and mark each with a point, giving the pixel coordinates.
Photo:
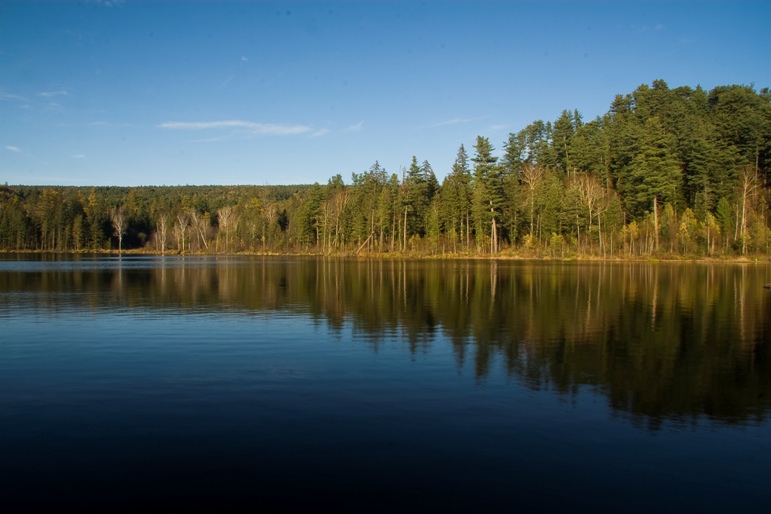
(355, 128)
(52, 94)
(10, 97)
(79, 156)
(108, 3)
(16, 149)
(645, 28)
(320, 132)
(456, 121)
(496, 127)
(102, 123)
(40, 101)
(244, 58)
(257, 129)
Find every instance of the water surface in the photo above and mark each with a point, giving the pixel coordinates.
(384, 384)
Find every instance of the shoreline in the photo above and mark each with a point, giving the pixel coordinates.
(503, 256)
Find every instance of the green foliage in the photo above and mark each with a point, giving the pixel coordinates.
(455, 200)
(488, 192)
(654, 172)
(671, 169)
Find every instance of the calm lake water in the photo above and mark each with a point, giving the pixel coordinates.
(385, 385)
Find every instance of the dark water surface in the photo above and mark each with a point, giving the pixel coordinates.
(396, 385)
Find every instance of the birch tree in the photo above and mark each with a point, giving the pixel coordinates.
(119, 222)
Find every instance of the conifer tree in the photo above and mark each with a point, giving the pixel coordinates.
(654, 174)
(488, 191)
(416, 197)
(456, 199)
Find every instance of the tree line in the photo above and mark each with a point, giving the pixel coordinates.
(664, 171)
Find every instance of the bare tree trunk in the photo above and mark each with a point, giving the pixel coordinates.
(468, 231)
(365, 243)
(404, 246)
(393, 230)
(599, 231)
(656, 223)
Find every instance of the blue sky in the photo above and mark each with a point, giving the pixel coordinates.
(166, 93)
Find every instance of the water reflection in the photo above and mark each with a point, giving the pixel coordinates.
(677, 342)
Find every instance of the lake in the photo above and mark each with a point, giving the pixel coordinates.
(372, 385)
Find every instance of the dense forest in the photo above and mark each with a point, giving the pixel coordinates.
(664, 172)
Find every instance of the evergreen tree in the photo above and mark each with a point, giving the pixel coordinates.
(488, 192)
(590, 150)
(456, 199)
(416, 197)
(309, 219)
(562, 135)
(654, 173)
(388, 213)
(364, 222)
(432, 185)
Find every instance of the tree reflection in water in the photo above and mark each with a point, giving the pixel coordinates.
(676, 342)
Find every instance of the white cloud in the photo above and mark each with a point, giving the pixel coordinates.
(108, 3)
(244, 58)
(79, 156)
(261, 129)
(496, 127)
(11, 97)
(16, 149)
(41, 101)
(51, 94)
(320, 132)
(355, 128)
(456, 121)
(107, 124)
(646, 28)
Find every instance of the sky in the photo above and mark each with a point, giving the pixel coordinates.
(131, 93)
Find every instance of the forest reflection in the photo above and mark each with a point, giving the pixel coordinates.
(679, 342)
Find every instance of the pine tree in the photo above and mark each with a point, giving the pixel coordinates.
(456, 199)
(488, 191)
(562, 140)
(416, 196)
(654, 173)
